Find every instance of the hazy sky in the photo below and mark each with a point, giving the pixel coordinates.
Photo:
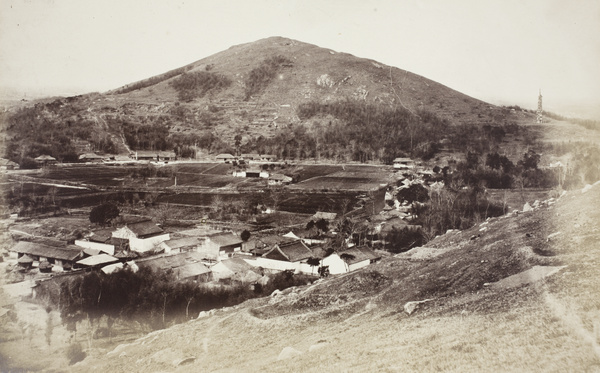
(500, 51)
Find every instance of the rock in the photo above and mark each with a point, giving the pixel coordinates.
(586, 188)
(276, 293)
(317, 346)
(184, 361)
(527, 207)
(411, 307)
(552, 236)
(288, 353)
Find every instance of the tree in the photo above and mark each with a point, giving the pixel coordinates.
(245, 235)
(104, 213)
(313, 262)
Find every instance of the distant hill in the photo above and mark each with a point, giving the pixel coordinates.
(282, 96)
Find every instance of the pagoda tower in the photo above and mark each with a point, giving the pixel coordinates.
(540, 111)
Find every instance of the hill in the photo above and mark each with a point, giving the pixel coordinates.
(516, 293)
(281, 95)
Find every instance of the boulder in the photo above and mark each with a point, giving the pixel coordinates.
(527, 207)
(288, 353)
(411, 307)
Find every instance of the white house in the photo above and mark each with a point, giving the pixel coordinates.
(349, 260)
(220, 245)
(181, 245)
(404, 163)
(143, 236)
(287, 256)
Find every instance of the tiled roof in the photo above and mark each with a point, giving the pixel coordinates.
(101, 236)
(36, 249)
(359, 254)
(145, 229)
(170, 261)
(183, 242)
(324, 215)
(191, 270)
(293, 251)
(99, 259)
(225, 239)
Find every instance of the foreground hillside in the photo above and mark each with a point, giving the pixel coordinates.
(490, 308)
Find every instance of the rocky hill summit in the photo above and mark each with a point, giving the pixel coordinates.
(513, 293)
(265, 89)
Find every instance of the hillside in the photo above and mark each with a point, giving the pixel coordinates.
(515, 293)
(274, 88)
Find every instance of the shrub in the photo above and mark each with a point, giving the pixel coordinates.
(75, 353)
(193, 85)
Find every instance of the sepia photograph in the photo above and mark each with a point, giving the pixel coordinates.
(299, 186)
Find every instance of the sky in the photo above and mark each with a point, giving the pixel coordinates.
(499, 51)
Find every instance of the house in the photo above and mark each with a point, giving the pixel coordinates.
(103, 241)
(250, 157)
(294, 251)
(153, 155)
(267, 157)
(287, 256)
(90, 157)
(96, 261)
(227, 158)
(180, 245)
(61, 257)
(261, 245)
(279, 179)
(6, 165)
(327, 216)
(220, 245)
(236, 269)
(349, 260)
(186, 266)
(143, 236)
(44, 160)
(251, 173)
(404, 163)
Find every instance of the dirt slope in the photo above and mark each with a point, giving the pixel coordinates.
(473, 322)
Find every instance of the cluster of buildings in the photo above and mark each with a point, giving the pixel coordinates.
(200, 254)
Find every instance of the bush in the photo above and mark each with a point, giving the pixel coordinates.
(400, 240)
(75, 353)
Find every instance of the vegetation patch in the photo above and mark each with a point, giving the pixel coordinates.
(260, 77)
(190, 86)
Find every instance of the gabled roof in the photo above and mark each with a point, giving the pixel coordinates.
(225, 239)
(237, 265)
(145, 229)
(324, 215)
(191, 270)
(63, 253)
(250, 155)
(45, 158)
(90, 156)
(359, 254)
(280, 177)
(6, 162)
(101, 236)
(225, 156)
(154, 153)
(184, 265)
(96, 260)
(183, 242)
(274, 239)
(291, 251)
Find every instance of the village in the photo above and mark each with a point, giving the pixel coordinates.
(215, 252)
